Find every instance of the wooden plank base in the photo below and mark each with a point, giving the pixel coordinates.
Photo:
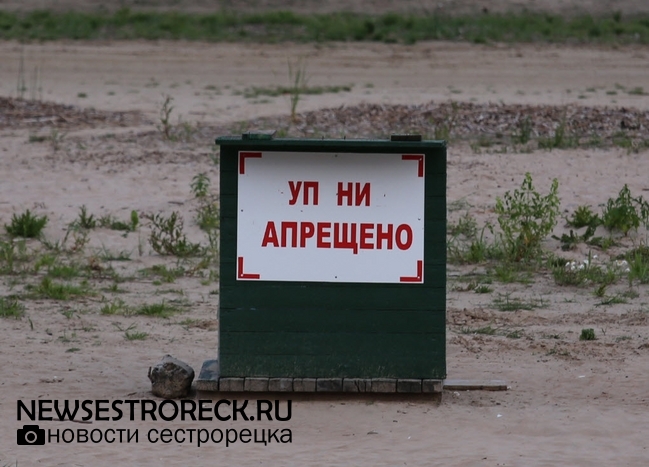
(209, 380)
(475, 385)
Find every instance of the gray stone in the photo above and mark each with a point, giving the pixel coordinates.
(304, 385)
(231, 384)
(329, 385)
(356, 385)
(280, 384)
(171, 378)
(256, 384)
(384, 385)
(432, 385)
(409, 385)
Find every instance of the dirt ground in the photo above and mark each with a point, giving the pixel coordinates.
(570, 402)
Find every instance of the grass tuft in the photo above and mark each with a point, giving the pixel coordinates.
(49, 289)
(487, 330)
(587, 335)
(504, 302)
(135, 335)
(168, 238)
(11, 308)
(160, 310)
(26, 225)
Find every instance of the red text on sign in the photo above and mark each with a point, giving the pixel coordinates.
(353, 194)
(305, 187)
(338, 235)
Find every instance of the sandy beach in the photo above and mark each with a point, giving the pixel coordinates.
(570, 402)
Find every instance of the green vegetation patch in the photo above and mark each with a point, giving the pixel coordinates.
(587, 335)
(60, 291)
(280, 26)
(161, 310)
(254, 92)
(11, 308)
(26, 225)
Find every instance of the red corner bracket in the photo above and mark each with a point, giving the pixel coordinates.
(415, 157)
(243, 275)
(242, 160)
(420, 274)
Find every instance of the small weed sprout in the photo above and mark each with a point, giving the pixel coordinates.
(200, 185)
(183, 131)
(187, 131)
(84, 221)
(117, 307)
(625, 212)
(486, 331)
(504, 302)
(298, 83)
(21, 87)
(207, 214)
(483, 288)
(7, 257)
(68, 313)
(207, 217)
(167, 275)
(55, 291)
(508, 272)
(135, 335)
(524, 133)
(466, 226)
(587, 335)
(613, 300)
(444, 127)
(36, 89)
(80, 239)
(167, 236)
(26, 225)
(637, 91)
(165, 126)
(161, 310)
(56, 138)
(110, 222)
(11, 308)
(473, 249)
(516, 334)
(135, 220)
(638, 265)
(586, 272)
(526, 218)
(582, 217)
(214, 155)
(561, 139)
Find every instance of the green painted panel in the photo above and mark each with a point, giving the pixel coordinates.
(335, 330)
(315, 295)
(270, 319)
(330, 343)
(331, 366)
(435, 232)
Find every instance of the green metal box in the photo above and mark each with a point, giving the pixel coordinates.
(333, 258)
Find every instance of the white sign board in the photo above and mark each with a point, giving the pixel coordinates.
(330, 217)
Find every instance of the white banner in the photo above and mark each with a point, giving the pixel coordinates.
(330, 217)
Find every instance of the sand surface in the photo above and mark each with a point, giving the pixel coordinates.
(570, 403)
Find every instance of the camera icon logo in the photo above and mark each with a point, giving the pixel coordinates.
(30, 434)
